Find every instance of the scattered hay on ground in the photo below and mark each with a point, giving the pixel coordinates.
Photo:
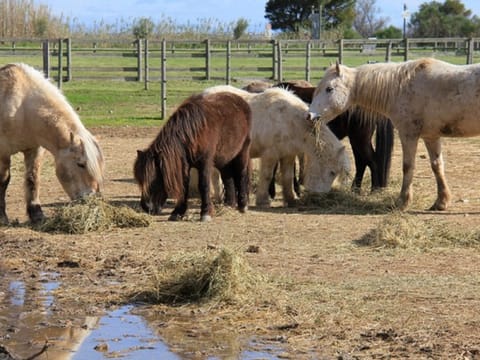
(403, 230)
(92, 214)
(201, 276)
(346, 201)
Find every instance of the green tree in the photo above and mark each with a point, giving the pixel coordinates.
(292, 16)
(142, 28)
(240, 28)
(448, 19)
(390, 32)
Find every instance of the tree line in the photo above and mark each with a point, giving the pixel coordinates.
(290, 19)
(357, 19)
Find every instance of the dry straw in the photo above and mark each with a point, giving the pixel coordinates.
(92, 214)
(201, 276)
(407, 231)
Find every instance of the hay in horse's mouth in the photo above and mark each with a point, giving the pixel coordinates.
(92, 214)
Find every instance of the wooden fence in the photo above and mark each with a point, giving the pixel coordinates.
(161, 61)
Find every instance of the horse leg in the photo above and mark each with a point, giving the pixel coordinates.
(409, 150)
(434, 148)
(4, 181)
(217, 190)
(241, 170)
(286, 167)
(271, 187)
(33, 161)
(228, 183)
(360, 137)
(206, 208)
(265, 176)
(181, 206)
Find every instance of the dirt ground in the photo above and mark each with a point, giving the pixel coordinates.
(327, 296)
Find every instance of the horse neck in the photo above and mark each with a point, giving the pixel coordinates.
(54, 127)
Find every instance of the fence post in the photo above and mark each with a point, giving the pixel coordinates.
(139, 59)
(145, 56)
(405, 56)
(388, 55)
(60, 65)
(69, 59)
(280, 65)
(229, 65)
(308, 57)
(207, 59)
(163, 84)
(470, 49)
(340, 51)
(274, 60)
(46, 58)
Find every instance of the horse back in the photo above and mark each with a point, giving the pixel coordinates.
(228, 120)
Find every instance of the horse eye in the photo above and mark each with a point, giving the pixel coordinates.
(333, 173)
(329, 89)
(81, 165)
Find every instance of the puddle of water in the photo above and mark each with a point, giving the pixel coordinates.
(26, 314)
(121, 334)
(17, 291)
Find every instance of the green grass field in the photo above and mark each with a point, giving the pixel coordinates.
(107, 102)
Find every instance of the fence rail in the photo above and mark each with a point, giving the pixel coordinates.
(153, 60)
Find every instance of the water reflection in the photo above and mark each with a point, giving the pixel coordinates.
(121, 334)
(27, 312)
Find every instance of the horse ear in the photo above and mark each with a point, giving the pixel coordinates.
(337, 67)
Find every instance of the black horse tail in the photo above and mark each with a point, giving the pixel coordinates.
(383, 151)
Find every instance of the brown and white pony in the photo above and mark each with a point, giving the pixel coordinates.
(205, 131)
(35, 116)
(281, 130)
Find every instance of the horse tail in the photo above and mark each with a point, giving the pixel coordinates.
(384, 148)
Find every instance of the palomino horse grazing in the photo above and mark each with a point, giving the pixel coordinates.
(36, 116)
(205, 131)
(424, 98)
(359, 129)
(282, 129)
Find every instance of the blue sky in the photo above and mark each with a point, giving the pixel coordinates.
(183, 11)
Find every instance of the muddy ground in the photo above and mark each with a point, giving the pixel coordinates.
(325, 295)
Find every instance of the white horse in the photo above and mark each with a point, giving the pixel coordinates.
(281, 130)
(35, 116)
(424, 98)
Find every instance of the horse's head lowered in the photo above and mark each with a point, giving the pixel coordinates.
(79, 167)
(152, 189)
(332, 95)
(329, 162)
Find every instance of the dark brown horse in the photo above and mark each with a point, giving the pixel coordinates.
(205, 131)
(360, 132)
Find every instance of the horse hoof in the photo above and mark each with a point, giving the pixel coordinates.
(4, 221)
(205, 218)
(438, 207)
(175, 217)
(243, 210)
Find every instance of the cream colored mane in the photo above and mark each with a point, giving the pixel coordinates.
(72, 121)
(377, 86)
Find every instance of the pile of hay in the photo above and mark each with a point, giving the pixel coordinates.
(92, 214)
(342, 201)
(406, 231)
(201, 276)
